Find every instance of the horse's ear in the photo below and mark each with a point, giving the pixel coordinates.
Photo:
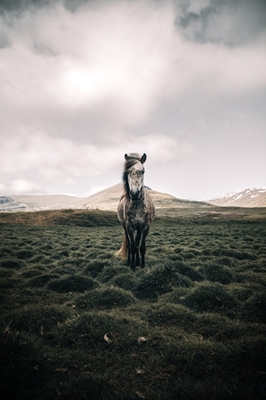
(126, 157)
(143, 158)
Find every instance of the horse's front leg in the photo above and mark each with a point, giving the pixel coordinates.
(132, 249)
(128, 247)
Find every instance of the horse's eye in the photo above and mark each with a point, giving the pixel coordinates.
(142, 172)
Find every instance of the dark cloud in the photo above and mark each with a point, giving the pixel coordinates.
(19, 6)
(231, 22)
(4, 41)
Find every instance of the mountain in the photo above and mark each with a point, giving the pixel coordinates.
(106, 199)
(47, 202)
(34, 203)
(247, 198)
(8, 203)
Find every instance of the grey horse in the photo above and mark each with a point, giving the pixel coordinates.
(135, 211)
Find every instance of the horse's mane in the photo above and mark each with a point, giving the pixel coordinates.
(132, 159)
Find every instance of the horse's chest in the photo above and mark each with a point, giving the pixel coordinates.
(137, 215)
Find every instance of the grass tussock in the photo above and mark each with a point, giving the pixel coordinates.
(76, 323)
(159, 280)
(105, 298)
(71, 283)
(209, 297)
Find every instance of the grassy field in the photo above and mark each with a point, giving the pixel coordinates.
(78, 324)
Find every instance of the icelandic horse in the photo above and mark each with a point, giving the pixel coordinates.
(135, 211)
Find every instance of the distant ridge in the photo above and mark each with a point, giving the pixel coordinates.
(8, 203)
(36, 203)
(106, 199)
(255, 197)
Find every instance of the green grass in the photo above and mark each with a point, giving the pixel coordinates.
(76, 323)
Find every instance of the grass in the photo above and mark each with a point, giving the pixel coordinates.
(78, 324)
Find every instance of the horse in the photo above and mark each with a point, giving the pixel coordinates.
(135, 211)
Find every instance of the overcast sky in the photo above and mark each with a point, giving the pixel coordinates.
(84, 82)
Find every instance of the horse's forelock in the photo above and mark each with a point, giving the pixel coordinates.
(130, 160)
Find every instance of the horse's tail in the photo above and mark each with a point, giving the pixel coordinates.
(122, 253)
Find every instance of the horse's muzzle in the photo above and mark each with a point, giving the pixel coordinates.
(135, 195)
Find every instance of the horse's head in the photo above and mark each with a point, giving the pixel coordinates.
(134, 175)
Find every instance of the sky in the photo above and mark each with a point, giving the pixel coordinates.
(82, 82)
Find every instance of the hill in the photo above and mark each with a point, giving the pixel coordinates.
(246, 198)
(106, 199)
(36, 203)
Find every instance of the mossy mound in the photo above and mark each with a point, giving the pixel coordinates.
(217, 273)
(95, 266)
(5, 273)
(41, 280)
(160, 280)
(38, 320)
(170, 314)
(210, 298)
(254, 309)
(175, 296)
(90, 328)
(188, 271)
(105, 298)
(9, 282)
(72, 283)
(24, 254)
(65, 269)
(109, 272)
(218, 327)
(125, 281)
(11, 263)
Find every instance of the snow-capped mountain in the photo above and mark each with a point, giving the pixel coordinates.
(8, 203)
(255, 197)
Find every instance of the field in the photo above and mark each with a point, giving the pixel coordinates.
(76, 323)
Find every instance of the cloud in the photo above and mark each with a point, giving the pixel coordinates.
(57, 158)
(219, 21)
(111, 66)
(84, 82)
(23, 186)
(112, 62)
(218, 69)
